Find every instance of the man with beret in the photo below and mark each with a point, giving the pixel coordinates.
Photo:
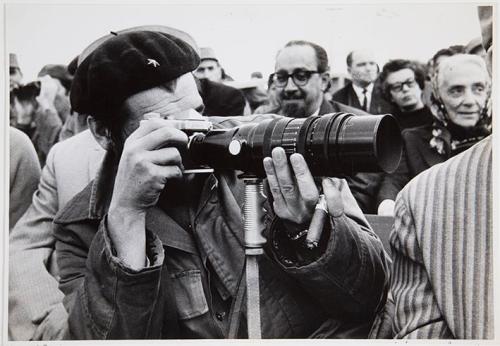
(145, 251)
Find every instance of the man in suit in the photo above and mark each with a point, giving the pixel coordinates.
(301, 78)
(362, 93)
(442, 275)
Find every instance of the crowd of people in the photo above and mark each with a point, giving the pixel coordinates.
(109, 239)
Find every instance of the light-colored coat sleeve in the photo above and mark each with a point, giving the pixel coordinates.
(33, 291)
(24, 174)
(35, 301)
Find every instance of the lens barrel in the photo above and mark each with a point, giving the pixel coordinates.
(332, 144)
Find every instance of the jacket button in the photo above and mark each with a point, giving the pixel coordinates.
(220, 315)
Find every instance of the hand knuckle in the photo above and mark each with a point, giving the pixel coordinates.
(288, 189)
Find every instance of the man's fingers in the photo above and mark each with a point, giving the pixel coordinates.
(161, 137)
(145, 127)
(273, 181)
(331, 189)
(305, 180)
(165, 156)
(164, 173)
(153, 122)
(286, 182)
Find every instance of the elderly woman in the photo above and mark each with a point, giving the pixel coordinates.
(459, 105)
(461, 88)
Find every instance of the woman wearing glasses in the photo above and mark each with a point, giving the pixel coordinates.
(458, 118)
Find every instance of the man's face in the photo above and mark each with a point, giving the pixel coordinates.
(209, 69)
(463, 90)
(404, 90)
(15, 77)
(300, 101)
(363, 68)
(170, 104)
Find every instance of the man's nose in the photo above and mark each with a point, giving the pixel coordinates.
(290, 85)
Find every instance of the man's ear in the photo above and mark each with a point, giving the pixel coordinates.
(325, 78)
(100, 133)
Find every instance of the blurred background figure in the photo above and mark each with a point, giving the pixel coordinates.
(15, 80)
(36, 114)
(475, 46)
(361, 93)
(337, 82)
(74, 123)
(256, 75)
(24, 172)
(273, 100)
(62, 79)
(210, 68)
(15, 74)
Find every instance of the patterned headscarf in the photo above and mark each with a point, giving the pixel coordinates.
(448, 138)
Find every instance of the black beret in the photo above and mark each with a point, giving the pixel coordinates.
(125, 65)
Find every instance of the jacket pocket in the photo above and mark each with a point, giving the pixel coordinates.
(189, 295)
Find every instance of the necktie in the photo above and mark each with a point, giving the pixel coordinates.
(365, 100)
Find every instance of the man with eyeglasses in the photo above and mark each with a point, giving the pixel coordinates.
(301, 78)
(403, 85)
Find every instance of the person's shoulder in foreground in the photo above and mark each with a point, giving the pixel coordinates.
(441, 246)
(24, 174)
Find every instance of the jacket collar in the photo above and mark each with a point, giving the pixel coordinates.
(326, 108)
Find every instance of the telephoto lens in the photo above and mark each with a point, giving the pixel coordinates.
(332, 145)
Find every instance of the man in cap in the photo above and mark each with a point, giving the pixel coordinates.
(210, 67)
(145, 251)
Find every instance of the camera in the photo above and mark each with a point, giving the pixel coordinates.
(332, 145)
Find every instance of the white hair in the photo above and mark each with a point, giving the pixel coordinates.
(458, 59)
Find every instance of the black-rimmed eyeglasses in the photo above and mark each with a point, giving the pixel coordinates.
(398, 87)
(299, 77)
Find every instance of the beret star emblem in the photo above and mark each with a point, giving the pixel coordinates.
(153, 62)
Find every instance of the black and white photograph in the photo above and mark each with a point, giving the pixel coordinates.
(238, 170)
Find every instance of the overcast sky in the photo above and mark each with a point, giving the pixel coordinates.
(245, 37)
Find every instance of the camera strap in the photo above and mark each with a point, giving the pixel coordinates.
(248, 286)
(236, 307)
(253, 296)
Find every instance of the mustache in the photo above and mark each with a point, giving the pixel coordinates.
(292, 95)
